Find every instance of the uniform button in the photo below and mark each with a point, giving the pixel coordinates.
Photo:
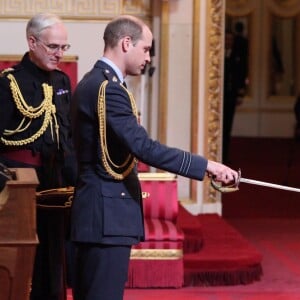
(123, 194)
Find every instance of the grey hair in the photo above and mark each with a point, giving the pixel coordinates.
(40, 22)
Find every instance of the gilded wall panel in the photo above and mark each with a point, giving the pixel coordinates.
(214, 86)
(240, 7)
(284, 8)
(74, 9)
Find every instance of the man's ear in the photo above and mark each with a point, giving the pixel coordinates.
(31, 42)
(126, 41)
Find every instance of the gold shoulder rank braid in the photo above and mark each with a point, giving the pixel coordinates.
(3, 72)
(46, 109)
(130, 161)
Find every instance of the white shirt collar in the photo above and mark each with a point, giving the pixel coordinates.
(114, 67)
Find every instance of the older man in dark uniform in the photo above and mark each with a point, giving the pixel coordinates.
(35, 132)
(107, 215)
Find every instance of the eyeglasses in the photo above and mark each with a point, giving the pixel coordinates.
(54, 48)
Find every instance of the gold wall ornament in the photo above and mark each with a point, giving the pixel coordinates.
(284, 8)
(240, 7)
(213, 105)
(136, 6)
(287, 3)
(75, 9)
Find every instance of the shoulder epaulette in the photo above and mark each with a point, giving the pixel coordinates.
(6, 71)
(110, 76)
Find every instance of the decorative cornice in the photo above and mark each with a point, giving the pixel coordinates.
(74, 9)
(240, 7)
(284, 8)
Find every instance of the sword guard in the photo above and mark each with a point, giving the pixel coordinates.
(226, 188)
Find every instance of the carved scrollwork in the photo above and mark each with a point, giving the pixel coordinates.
(214, 84)
(74, 9)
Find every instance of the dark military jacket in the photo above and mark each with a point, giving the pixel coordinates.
(53, 147)
(108, 209)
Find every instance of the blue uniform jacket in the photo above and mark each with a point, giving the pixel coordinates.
(106, 210)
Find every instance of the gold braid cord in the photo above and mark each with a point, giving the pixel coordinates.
(46, 108)
(130, 161)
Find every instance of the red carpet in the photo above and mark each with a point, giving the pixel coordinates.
(277, 239)
(279, 242)
(226, 257)
(259, 230)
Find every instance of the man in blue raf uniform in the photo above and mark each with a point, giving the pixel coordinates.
(35, 132)
(107, 216)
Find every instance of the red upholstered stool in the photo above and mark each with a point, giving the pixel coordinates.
(158, 261)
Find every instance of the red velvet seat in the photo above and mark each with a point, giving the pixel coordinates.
(158, 261)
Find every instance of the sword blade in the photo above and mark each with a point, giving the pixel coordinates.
(270, 185)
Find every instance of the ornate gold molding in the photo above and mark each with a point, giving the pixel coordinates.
(284, 8)
(75, 9)
(240, 7)
(213, 105)
(156, 254)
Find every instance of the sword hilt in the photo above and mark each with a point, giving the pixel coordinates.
(226, 188)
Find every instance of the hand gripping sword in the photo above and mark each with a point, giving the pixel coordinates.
(235, 186)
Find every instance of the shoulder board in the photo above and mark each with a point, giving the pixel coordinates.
(10, 70)
(6, 71)
(110, 76)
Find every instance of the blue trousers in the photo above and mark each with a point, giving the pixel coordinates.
(101, 271)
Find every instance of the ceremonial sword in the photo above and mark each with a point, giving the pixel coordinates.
(235, 186)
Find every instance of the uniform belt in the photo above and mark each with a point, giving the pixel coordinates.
(24, 156)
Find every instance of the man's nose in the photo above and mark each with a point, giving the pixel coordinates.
(148, 58)
(59, 52)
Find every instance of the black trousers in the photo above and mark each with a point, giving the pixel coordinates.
(101, 271)
(48, 282)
